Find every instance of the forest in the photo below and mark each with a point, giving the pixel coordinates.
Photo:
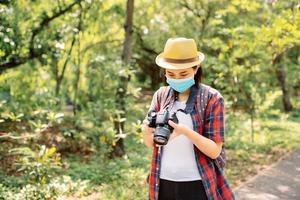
(77, 78)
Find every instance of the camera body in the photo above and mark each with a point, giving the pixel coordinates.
(159, 121)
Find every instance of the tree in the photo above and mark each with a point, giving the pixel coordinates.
(119, 120)
(279, 35)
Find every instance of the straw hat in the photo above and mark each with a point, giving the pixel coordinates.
(179, 53)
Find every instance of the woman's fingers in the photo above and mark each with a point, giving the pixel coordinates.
(146, 122)
(173, 124)
(150, 130)
(144, 126)
(173, 135)
(146, 129)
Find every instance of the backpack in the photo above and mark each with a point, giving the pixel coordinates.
(220, 161)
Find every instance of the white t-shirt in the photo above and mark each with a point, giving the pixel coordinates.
(178, 159)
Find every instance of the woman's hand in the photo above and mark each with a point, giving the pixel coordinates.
(205, 145)
(178, 129)
(147, 133)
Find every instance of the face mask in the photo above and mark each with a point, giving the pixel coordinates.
(181, 85)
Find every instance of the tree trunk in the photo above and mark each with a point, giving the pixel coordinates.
(119, 125)
(77, 78)
(59, 78)
(281, 77)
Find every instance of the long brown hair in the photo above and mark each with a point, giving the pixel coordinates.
(198, 76)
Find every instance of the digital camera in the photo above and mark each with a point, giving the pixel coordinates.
(159, 121)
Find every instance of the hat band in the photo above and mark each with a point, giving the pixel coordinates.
(171, 60)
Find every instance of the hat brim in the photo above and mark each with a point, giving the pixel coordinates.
(167, 65)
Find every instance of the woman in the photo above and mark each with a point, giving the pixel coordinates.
(185, 167)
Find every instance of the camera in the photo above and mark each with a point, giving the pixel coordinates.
(159, 121)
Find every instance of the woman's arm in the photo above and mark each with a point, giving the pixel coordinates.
(147, 131)
(204, 144)
(147, 134)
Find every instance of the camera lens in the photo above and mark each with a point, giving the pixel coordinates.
(161, 135)
(160, 140)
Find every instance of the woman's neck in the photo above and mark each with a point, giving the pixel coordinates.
(184, 96)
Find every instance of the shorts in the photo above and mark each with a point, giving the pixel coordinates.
(187, 190)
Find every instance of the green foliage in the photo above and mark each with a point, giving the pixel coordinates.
(59, 187)
(135, 182)
(64, 92)
(38, 167)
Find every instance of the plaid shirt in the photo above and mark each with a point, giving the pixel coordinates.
(214, 182)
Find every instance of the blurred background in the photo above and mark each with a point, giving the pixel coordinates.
(77, 77)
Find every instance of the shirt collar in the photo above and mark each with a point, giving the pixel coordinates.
(191, 99)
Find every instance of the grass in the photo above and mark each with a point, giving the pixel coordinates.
(273, 138)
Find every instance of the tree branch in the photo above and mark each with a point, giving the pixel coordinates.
(204, 17)
(45, 23)
(143, 45)
(18, 60)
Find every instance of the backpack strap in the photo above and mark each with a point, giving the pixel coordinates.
(165, 96)
(158, 100)
(202, 101)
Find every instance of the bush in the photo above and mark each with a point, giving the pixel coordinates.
(58, 187)
(38, 167)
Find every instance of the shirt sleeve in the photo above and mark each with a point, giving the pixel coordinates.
(154, 104)
(214, 127)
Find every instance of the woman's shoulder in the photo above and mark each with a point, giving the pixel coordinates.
(162, 89)
(210, 91)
